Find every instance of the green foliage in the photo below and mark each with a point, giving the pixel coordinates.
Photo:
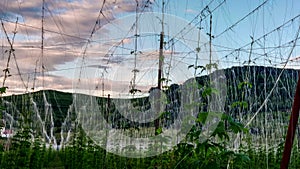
(245, 83)
(241, 104)
(83, 153)
(211, 153)
(212, 65)
(158, 131)
(194, 152)
(3, 90)
(208, 91)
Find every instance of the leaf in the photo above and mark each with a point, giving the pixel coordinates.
(270, 61)
(242, 104)
(234, 126)
(3, 90)
(132, 91)
(202, 117)
(242, 157)
(166, 87)
(164, 80)
(158, 131)
(220, 131)
(190, 66)
(202, 67)
(209, 91)
(245, 83)
(6, 70)
(212, 65)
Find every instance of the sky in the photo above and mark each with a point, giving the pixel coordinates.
(91, 46)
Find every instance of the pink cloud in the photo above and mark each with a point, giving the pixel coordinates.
(67, 24)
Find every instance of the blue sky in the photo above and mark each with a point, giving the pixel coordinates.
(69, 23)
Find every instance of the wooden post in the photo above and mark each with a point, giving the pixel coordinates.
(160, 70)
(292, 128)
(106, 115)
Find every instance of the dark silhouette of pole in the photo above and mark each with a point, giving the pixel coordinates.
(106, 116)
(108, 108)
(210, 39)
(160, 63)
(161, 60)
(42, 43)
(292, 128)
(160, 71)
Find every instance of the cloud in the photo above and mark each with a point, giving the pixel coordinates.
(67, 27)
(15, 86)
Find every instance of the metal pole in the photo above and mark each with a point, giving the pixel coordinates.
(292, 128)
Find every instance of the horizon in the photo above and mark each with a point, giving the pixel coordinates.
(100, 95)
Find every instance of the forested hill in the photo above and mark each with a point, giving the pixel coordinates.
(255, 84)
(247, 88)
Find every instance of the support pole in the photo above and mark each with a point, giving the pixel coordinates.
(42, 43)
(160, 61)
(160, 70)
(292, 128)
(106, 116)
(210, 39)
